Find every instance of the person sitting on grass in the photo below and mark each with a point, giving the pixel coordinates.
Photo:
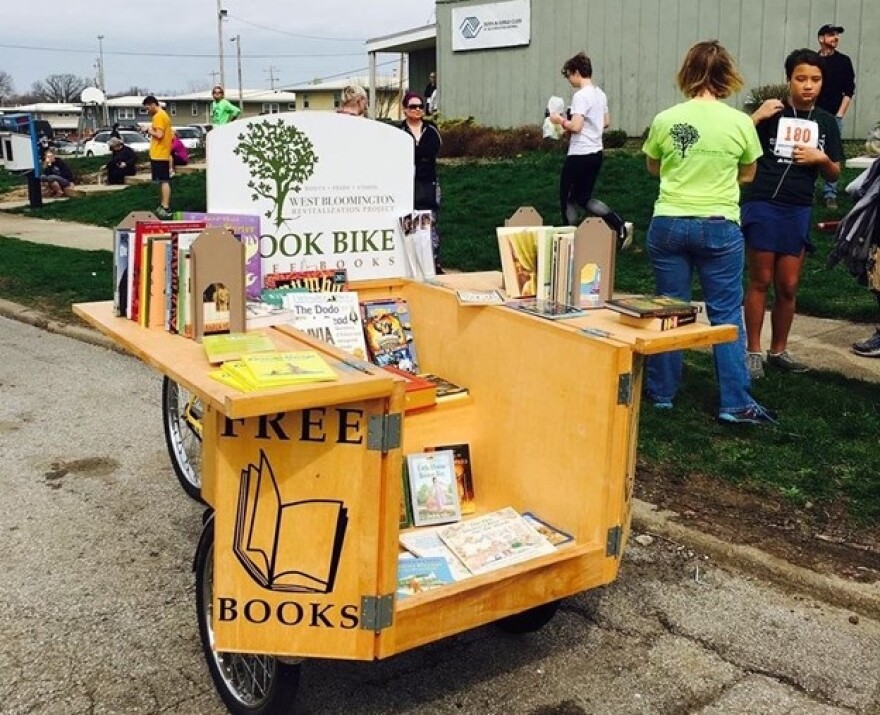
(123, 162)
(56, 175)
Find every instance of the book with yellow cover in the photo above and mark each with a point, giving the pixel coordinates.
(231, 346)
(275, 369)
(229, 377)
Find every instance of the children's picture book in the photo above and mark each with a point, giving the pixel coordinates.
(479, 297)
(668, 322)
(322, 280)
(279, 369)
(445, 388)
(433, 488)
(405, 501)
(389, 334)
(418, 575)
(246, 228)
(425, 541)
(332, 317)
(495, 540)
(555, 536)
(650, 306)
(231, 346)
(464, 478)
(548, 309)
(265, 315)
(123, 240)
(518, 249)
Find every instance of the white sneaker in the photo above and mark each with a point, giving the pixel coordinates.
(755, 364)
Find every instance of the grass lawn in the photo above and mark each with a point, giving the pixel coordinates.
(825, 449)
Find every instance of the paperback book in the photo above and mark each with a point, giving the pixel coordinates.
(332, 317)
(518, 249)
(665, 323)
(232, 346)
(433, 488)
(479, 297)
(418, 575)
(494, 541)
(280, 369)
(548, 309)
(426, 542)
(446, 390)
(314, 281)
(464, 479)
(650, 306)
(389, 334)
(555, 536)
(419, 393)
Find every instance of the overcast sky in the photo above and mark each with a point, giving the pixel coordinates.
(172, 45)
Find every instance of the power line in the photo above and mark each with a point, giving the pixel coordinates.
(124, 53)
(291, 34)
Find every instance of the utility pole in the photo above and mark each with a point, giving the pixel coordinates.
(214, 76)
(101, 83)
(271, 73)
(237, 41)
(221, 15)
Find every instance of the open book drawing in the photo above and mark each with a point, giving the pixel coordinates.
(287, 546)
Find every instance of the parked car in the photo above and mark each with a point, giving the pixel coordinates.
(97, 145)
(190, 137)
(64, 146)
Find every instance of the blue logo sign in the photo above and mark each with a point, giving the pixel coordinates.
(471, 27)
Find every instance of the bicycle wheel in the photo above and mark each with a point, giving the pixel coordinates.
(248, 684)
(529, 621)
(182, 420)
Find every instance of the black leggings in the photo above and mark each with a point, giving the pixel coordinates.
(579, 174)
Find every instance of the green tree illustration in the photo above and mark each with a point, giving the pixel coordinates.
(280, 158)
(684, 136)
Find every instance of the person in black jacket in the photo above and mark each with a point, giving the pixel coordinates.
(56, 175)
(123, 162)
(426, 190)
(838, 88)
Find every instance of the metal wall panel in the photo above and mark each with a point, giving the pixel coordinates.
(636, 47)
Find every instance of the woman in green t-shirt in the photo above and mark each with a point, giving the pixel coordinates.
(702, 149)
(222, 110)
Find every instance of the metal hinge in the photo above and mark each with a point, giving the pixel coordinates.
(612, 542)
(383, 432)
(377, 612)
(625, 389)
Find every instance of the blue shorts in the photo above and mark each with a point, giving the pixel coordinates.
(777, 228)
(160, 170)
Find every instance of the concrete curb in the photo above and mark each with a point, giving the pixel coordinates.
(862, 598)
(14, 311)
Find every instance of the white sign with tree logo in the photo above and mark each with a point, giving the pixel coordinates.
(329, 189)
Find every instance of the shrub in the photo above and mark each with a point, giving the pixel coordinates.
(757, 96)
(614, 138)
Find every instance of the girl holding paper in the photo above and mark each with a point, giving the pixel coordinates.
(800, 141)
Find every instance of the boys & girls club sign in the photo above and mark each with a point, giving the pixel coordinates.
(500, 24)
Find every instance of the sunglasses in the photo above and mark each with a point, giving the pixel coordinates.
(415, 106)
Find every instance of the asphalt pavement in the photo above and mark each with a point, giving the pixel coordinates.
(99, 615)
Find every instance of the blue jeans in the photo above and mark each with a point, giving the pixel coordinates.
(829, 189)
(715, 247)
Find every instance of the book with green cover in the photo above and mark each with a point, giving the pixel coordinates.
(650, 306)
(280, 369)
(231, 346)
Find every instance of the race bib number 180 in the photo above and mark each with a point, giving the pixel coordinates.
(794, 132)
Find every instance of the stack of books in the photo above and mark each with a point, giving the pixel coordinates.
(653, 312)
(263, 370)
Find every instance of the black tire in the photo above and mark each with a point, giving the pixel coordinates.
(248, 684)
(529, 621)
(184, 441)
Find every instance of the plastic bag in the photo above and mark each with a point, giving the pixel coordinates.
(555, 105)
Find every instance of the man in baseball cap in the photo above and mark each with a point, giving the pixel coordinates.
(838, 88)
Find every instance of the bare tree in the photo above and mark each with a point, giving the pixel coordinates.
(6, 87)
(60, 88)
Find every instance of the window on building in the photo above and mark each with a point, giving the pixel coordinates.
(172, 109)
(337, 100)
(142, 110)
(125, 113)
(305, 99)
(291, 106)
(194, 109)
(271, 108)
